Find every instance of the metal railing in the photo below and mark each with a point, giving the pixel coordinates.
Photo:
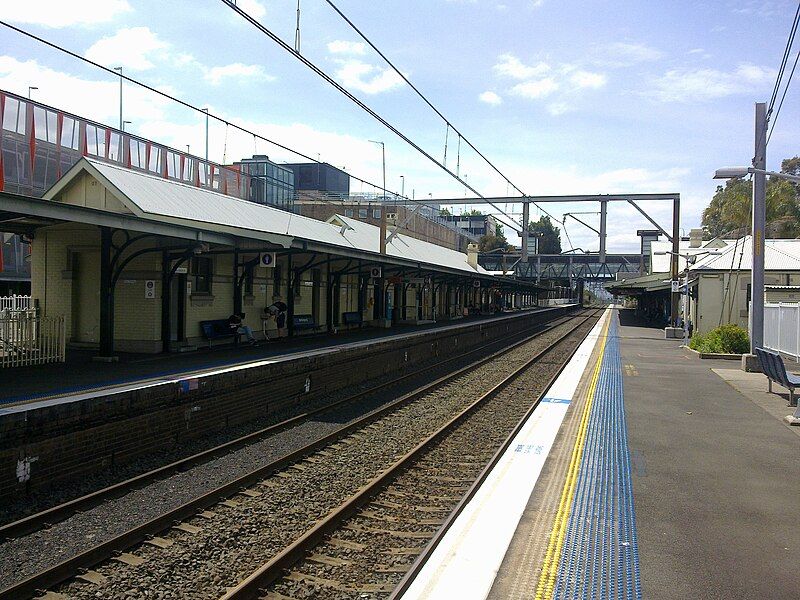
(782, 328)
(15, 303)
(28, 339)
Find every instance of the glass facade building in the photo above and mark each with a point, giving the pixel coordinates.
(269, 183)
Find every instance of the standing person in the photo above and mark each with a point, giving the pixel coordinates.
(280, 310)
(235, 323)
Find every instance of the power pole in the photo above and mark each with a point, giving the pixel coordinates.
(525, 220)
(759, 222)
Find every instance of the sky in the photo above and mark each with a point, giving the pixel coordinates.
(563, 96)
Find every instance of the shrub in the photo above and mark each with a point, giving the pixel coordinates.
(725, 339)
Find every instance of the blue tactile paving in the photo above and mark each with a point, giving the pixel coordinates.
(599, 558)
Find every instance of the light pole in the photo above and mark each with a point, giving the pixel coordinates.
(120, 96)
(402, 186)
(30, 89)
(383, 200)
(759, 172)
(205, 110)
(125, 123)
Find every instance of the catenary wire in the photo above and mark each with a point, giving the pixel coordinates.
(277, 39)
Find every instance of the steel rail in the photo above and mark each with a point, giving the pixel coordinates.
(274, 569)
(104, 550)
(51, 516)
(427, 552)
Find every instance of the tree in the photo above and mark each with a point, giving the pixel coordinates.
(473, 213)
(548, 234)
(445, 212)
(729, 212)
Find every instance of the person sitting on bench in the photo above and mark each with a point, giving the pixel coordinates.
(235, 323)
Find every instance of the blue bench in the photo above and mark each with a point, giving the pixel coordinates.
(304, 323)
(775, 370)
(352, 318)
(217, 330)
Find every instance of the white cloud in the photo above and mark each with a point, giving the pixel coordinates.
(133, 48)
(625, 54)
(58, 13)
(346, 47)
(252, 7)
(215, 75)
(587, 79)
(93, 99)
(537, 88)
(490, 98)
(511, 66)
(558, 108)
(687, 85)
(367, 78)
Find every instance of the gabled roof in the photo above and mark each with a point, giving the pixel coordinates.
(779, 255)
(164, 200)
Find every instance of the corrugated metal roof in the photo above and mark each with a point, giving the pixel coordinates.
(779, 255)
(660, 263)
(205, 209)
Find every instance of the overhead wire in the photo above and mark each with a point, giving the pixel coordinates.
(278, 40)
(425, 99)
(783, 97)
(185, 104)
(786, 53)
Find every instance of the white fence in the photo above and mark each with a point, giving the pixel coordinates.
(27, 339)
(15, 303)
(782, 328)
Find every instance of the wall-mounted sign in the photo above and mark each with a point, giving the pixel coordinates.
(150, 289)
(267, 259)
(676, 286)
(181, 270)
(375, 272)
(476, 283)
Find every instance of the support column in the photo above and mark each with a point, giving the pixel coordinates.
(165, 301)
(603, 213)
(759, 218)
(290, 276)
(237, 288)
(675, 297)
(106, 296)
(525, 223)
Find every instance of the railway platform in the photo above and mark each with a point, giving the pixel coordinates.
(644, 472)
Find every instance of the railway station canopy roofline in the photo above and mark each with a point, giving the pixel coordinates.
(634, 286)
(142, 202)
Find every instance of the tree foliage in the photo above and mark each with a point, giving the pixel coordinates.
(549, 235)
(729, 212)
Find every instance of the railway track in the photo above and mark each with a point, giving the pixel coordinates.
(221, 496)
(367, 545)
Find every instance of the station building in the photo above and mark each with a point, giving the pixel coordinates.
(718, 276)
(135, 262)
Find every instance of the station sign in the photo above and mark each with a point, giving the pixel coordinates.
(676, 286)
(375, 272)
(149, 289)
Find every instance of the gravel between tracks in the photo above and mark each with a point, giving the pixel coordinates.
(438, 480)
(233, 542)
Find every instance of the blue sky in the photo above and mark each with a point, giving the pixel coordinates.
(565, 97)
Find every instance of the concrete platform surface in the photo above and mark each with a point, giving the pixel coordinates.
(716, 476)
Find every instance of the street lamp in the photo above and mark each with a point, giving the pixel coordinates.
(30, 89)
(120, 95)
(759, 172)
(383, 201)
(738, 172)
(205, 110)
(402, 185)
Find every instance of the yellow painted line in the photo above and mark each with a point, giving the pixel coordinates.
(552, 557)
